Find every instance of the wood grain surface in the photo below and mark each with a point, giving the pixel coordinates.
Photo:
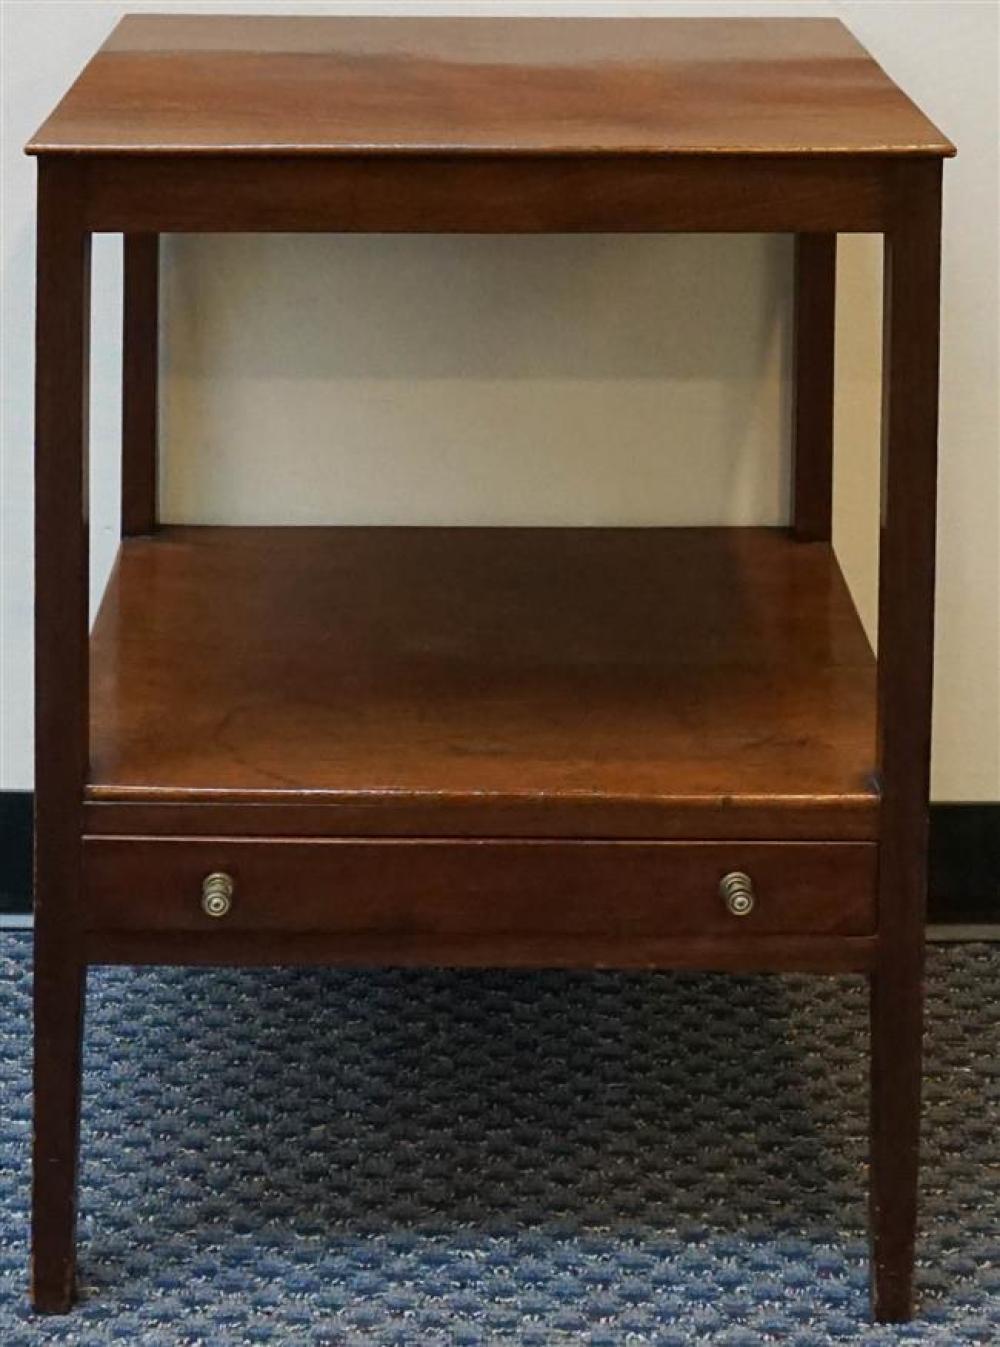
(306, 85)
(471, 675)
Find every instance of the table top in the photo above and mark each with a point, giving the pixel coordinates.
(215, 84)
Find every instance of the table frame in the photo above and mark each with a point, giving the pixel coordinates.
(813, 197)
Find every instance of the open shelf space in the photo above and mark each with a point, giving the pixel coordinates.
(658, 683)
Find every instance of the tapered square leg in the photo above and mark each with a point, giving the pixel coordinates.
(896, 1020)
(905, 666)
(59, 1004)
(61, 693)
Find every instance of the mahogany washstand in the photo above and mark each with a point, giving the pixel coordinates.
(473, 747)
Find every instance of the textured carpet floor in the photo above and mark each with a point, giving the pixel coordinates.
(430, 1159)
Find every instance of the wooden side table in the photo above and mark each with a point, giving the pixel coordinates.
(484, 747)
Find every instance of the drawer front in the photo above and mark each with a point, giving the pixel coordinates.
(448, 888)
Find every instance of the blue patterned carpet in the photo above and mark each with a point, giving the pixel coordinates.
(430, 1159)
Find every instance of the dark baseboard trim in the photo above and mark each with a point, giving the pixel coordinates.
(964, 860)
(15, 851)
(965, 863)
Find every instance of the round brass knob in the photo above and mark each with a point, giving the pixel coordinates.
(217, 894)
(736, 891)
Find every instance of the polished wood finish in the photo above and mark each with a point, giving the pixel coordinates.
(523, 194)
(426, 891)
(567, 675)
(812, 407)
(906, 646)
(61, 543)
(196, 85)
(485, 748)
(140, 376)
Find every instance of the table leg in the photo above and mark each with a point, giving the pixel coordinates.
(812, 415)
(61, 551)
(140, 356)
(905, 660)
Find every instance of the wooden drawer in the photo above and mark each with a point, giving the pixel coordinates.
(450, 888)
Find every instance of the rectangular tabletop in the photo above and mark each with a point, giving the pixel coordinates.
(183, 84)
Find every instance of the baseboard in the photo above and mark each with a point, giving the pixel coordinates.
(15, 851)
(965, 864)
(964, 860)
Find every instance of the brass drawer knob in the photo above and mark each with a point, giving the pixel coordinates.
(217, 894)
(736, 891)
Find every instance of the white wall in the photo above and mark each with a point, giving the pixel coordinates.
(539, 380)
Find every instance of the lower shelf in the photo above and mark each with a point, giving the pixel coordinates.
(575, 683)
